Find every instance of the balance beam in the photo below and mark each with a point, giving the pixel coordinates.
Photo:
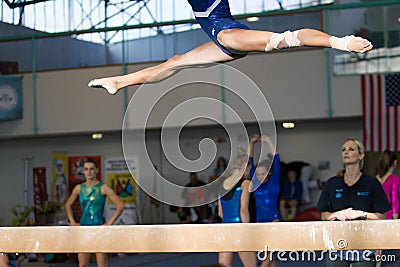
(287, 236)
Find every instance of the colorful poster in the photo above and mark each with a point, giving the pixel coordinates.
(122, 186)
(119, 179)
(59, 184)
(39, 185)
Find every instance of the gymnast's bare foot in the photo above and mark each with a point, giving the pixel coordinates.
(360, 45)
(351, 43)
(105, 83)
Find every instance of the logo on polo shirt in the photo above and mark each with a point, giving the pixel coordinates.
(362, 194)
(338, 193)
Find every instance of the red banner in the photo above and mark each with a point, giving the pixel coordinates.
(39, 185)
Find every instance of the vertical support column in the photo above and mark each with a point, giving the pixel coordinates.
(34, 88)
(124, 71)
(105, 33)
(328, 64)
(388, 62)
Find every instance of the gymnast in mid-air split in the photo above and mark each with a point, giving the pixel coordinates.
(231, 40)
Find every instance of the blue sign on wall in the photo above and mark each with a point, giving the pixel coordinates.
(10, 98)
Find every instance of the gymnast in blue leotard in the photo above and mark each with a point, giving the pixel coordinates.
(230, 40)
(267, 193)
(231, 202)
(215, 16)
(233, 207)
(266, 180)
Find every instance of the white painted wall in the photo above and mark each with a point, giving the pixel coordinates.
(294, 83)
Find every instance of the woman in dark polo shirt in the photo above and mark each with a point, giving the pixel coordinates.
(352, 195)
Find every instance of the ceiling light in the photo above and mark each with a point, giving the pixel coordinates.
(253, 19)
(97, 136)
(288, 125)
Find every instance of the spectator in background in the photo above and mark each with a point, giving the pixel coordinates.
(283, 178)
(218, 171)
(352, 195)
(387, 163)
(390, 182)
(185, 214)
(305, 176)
(292, 194)
(213, 205)
(196, 197)
(305, 171)
(221, 167)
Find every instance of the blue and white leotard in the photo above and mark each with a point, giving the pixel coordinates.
(213, 17)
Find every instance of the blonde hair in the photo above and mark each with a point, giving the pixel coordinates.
(241, 159)
(361, 150)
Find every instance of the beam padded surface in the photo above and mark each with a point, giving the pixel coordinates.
(288, 236)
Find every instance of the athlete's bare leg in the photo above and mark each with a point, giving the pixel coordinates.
(225, 258)
(268, 262)
(248, 258)
(250, 40)
(84, 259)
(102, 259)
(202, 55)
(4, 260)
(239, 41)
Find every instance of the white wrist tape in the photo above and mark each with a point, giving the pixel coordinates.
(341, 43)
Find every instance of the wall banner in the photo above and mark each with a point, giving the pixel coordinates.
(10, 97)
(119, 179)
(39, 185)
(59, 181)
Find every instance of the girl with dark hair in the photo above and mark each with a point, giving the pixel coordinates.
(221, 166)
(390, 182)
